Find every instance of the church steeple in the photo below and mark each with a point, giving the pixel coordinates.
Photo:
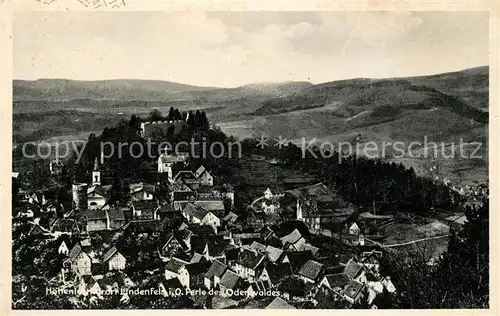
(96, 173)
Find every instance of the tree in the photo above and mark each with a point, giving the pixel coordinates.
(155, 115)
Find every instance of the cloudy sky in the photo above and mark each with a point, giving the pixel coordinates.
(235, 48)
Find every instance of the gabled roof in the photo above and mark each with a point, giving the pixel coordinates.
(279, 303)
(117, 215)
(112, 251)
(230, 217)
(298, 259)
(93, 215)
(291, 238)
(211, 205)
(175, 265)
(198, 267)
(65, 225)
(230, 279)
(304, 247)
(197, 258)
(98, 190)
(258, 246)
(249, 258)
(166, 208)
(352, 269)
(216, 269)
(353, 289)
(218, 247)
(337, 280)
(145, 205)
(184, 175)
(192, 210)
(311, 269)
(278, 272)
(274, 254)
(199, 171)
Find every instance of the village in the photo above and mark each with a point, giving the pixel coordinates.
(205, 247)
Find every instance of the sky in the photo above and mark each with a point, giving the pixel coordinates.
(228, 49)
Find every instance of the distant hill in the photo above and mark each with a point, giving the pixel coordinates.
(145, 90)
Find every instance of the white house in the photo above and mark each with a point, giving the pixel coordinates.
(96, 197)
(63, 249)
(354, 229)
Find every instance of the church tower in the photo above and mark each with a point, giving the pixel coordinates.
(96, 174)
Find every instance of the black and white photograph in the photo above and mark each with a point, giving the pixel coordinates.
(207, 159)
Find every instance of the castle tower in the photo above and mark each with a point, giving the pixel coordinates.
(96, 174)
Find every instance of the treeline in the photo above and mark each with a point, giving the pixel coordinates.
(362, 181)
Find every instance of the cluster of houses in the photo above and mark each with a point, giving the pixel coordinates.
(211, 248)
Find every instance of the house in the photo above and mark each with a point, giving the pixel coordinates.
(215, 206)
(63, 249)
(230, 218)
(311, 271)
(279, 303)
(214, 274)
(116, 218)
(297, 259)
(143, 193)
(96, 197)
(200, 215)
(355, 271)
(204, 176)
(145, 209)
(354, 229)
(168, 287)
(175, 268)
(258, 246)
(216, 249)
(165, 211)
(96, 220)
(295, 237)
(268, 194)
(79, 261)
(114, 260)
(175, 244)
(354, 291)
(336, 282)
(275, 255)
(229, 283)
(88, 285)
(248, 263)
(65, 226)
(166, 162)
(196, 274)
(274, 274)
(194, 180)
(389, 286)
(371, 260)
(197, 258)
(302, 246)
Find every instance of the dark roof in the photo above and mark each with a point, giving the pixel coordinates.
(117, 215)
(143, 226)
(94, 215)
(144, 205)
(166, 208)
(109, 254)
(201, 230)
(278, 272)
(175, 265)
(298, 259)
(217, 248)
(198, 267)
(230, 279)
(195, 211)
(352, 269)
(337, 280)
(291, 238)
(279, 303)
(97, 189)
(216, 269)
(184, 195)
(249, 258)
(311, 269)
(371, 277)
(353, 289)
(173, 283)
(213, 205)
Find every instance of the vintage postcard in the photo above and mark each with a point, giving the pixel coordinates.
(203, 157)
